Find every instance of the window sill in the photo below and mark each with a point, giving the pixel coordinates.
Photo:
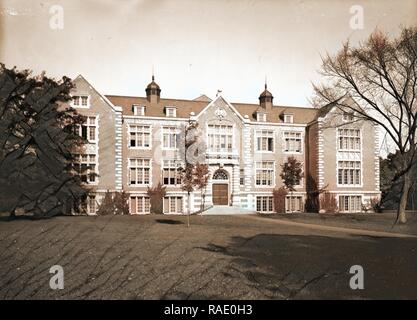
(140, 148)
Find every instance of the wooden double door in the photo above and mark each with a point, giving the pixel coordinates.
(220, 194)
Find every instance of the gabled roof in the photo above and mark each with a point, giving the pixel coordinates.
(347, 100)
(202, 97)
(301, 115)
(107, 101)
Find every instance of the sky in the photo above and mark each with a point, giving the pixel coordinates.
(194, 47)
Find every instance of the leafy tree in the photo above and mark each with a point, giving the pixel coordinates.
(380, 75)
(292, 173)
(187, 184)
(201, 176)
(37, 136)
(192, 155)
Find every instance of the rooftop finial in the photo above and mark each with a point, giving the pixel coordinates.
(153, 73)
(265, 83)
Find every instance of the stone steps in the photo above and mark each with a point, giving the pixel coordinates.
(227, 210)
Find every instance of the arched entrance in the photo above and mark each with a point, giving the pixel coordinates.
(220, 188)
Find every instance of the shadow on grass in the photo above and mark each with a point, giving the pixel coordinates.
(168, 221)
(35, 218)
(317, 267)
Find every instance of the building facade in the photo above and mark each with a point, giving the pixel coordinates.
(136, 142)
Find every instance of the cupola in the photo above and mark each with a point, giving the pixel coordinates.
(265, 99)
(153, 92)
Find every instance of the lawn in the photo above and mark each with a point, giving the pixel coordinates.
(224, 257)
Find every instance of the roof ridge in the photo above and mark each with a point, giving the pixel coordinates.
(276, 106)
(142, 97)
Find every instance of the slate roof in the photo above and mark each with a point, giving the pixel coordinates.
(302, 115)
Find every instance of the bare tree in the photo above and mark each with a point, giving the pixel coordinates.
(380, 75)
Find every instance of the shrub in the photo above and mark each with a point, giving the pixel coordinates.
(106, 206)
(121, 203)
(279, 199)
(156, 198)
(114, 203)
(328, 203)
(376, 204)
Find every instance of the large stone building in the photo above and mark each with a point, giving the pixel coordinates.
(136, 142)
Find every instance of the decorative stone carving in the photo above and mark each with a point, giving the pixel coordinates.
(220, 113)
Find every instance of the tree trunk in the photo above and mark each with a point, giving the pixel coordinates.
(189, 209)
(12, 215)
(401, 216)
(202, 203)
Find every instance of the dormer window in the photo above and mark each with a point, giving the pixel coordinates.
(347, 116)
(288, 118)
(260, 117)
(80, 101)
(171, 112)
(138, 110)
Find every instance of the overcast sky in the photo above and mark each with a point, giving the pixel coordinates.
(195, 46)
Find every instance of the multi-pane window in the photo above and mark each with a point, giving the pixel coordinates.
(173, 205)
(349, 139)
(139, 170)
(140, 136)
(88, 130)
(80, 101)
(265, 204)
(347, 116)
(220, 138)
(170, 173)
(350, 203)
(242, 177)
(85, 167)
(171, 111)
(292, 142)
(138, 110)
(84, 101)
(265, 173)
(294, 204)
(92, 204)
(349, 172)
(260, 117)
(170, 137)
(288, 118)
(139, 205)
(265, 140)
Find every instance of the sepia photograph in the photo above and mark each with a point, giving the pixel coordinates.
(208, 155)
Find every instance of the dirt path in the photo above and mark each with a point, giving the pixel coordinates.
(315, 226)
